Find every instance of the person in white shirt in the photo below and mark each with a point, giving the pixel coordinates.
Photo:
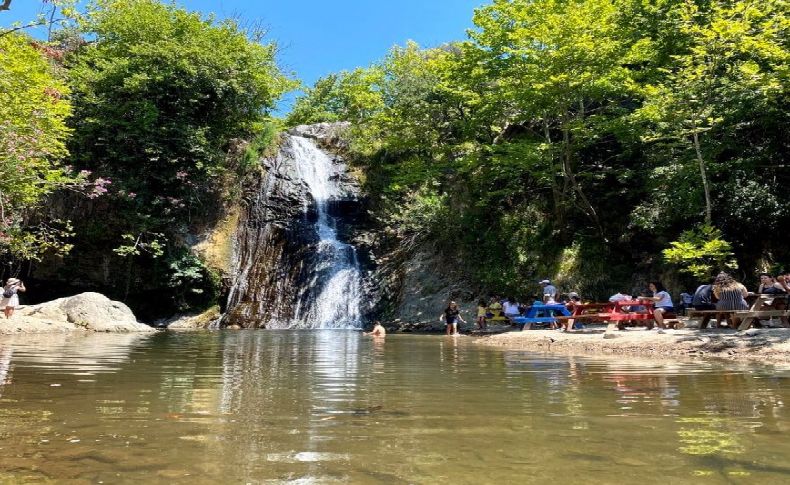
(511, 308)
(663, 302)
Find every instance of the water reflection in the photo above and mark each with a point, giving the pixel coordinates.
(337, 406)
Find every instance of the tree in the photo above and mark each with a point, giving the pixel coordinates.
(51, 19)
(700, 252)
(562, 69)
(158, 96)
(732, 69)
(33, 110)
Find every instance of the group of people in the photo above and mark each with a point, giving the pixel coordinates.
(9, 299)
(722, 293)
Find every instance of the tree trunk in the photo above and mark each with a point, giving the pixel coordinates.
(570, 177)
(704, 174)
(555, 190)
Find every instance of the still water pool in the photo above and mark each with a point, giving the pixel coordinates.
(338, 407)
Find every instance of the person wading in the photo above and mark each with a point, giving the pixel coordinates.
(451, 315)
(10, 297)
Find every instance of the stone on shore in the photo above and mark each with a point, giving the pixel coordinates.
(87, 311)
(201, 321)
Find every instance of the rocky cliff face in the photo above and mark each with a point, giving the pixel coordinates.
(276, 243)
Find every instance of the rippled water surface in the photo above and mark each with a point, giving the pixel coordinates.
(337, 407)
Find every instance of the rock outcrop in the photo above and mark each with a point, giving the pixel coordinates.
(202, 321)
(87, 311)
(415, 284)
(276, 270)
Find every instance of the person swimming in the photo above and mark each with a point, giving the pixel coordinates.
(378, 330)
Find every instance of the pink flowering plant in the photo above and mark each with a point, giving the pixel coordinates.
(33, 130)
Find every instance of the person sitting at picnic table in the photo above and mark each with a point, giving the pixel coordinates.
(494, 307)
(663, 302)
(572, 300)
(784, 280)
(511, 309)
(730, 296)
(769, 286)
(549, 299)
(702, 300)
(548, 288)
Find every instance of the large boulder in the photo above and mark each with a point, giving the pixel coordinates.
(89, 311)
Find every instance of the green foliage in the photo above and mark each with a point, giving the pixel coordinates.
(569, 137)
(424, 213)
(701, 252)
(33, 112)
(159, 95)
(162, 98)
(192, 284)
(347, 96)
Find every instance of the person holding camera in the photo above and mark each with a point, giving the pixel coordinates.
(10, 297)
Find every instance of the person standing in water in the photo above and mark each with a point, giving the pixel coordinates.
(10, 299)
(451, 315)
(482, 311)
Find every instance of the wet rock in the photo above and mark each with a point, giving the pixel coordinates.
(330, 135)
(194, 322)
(276, 269)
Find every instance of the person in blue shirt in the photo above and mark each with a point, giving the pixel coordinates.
(548, 289)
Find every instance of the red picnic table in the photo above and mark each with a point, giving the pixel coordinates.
(616, 313)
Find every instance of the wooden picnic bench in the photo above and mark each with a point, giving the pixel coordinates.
(618, 314)
(762, 308)
(705, 316)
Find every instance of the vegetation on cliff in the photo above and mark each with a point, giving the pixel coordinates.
(578, 139)
(152, 101)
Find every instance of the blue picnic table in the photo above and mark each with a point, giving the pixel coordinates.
(541, 313)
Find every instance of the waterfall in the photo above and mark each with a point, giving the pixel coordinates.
(293, 264)
(336, 284)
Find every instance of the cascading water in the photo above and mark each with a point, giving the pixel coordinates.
(293, 266)
(336, 283)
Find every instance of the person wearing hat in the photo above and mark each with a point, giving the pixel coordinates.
(549, 289)
(9, 300)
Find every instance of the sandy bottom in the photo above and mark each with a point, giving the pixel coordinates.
(766, 345)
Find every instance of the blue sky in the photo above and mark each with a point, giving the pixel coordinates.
(317, 37)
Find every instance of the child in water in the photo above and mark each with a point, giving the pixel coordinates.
(482, 309)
